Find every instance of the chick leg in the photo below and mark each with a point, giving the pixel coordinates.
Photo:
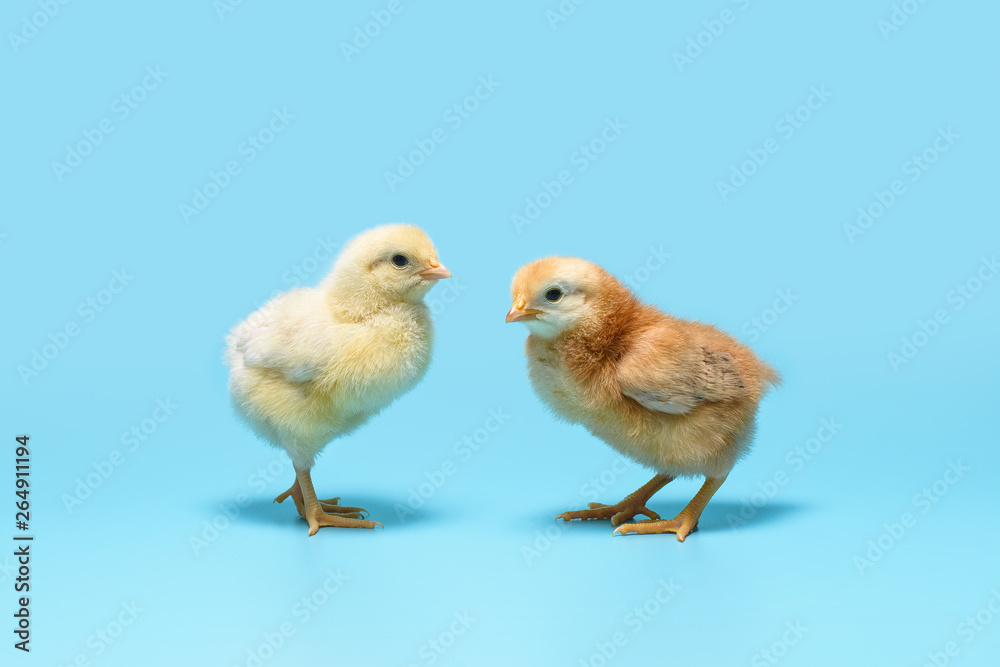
(330, 506)
(634, 503)
(683, 523)
(313, 512)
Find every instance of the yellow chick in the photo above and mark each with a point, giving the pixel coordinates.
(316, 363)
(677, 396)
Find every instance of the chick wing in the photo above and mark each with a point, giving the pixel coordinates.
(293, 336)
(664, 376)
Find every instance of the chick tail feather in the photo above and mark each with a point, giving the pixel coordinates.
(769, 376)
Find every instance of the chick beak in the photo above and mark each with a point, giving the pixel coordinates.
(518, 312)
(436, 272)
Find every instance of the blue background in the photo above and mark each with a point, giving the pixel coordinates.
(484, 544)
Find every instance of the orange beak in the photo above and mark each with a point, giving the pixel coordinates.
(436, 272)
(518, 312)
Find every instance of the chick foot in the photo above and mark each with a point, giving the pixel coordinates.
(330, 506)
(684, 523)
(633, 504)
(319, 513)
(318, 518)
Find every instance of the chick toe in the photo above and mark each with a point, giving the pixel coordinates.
(681, 524)
(618, 513)
(634, 503)
(333, 508)
(317, 519)
(296, 495)
(331, 505)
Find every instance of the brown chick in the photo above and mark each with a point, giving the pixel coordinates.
(678, 396)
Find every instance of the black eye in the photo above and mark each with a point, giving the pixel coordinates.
(554, 294)
(400, 260)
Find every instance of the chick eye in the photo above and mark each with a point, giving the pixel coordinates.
(554, 294)
(400, 260)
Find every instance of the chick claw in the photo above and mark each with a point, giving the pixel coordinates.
(681, 525)
(331, 506)
(618, 514)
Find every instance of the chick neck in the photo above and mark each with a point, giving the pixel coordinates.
(356, 301)
(606, 332)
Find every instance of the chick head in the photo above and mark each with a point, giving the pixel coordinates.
(391, 262)
(558, 294)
